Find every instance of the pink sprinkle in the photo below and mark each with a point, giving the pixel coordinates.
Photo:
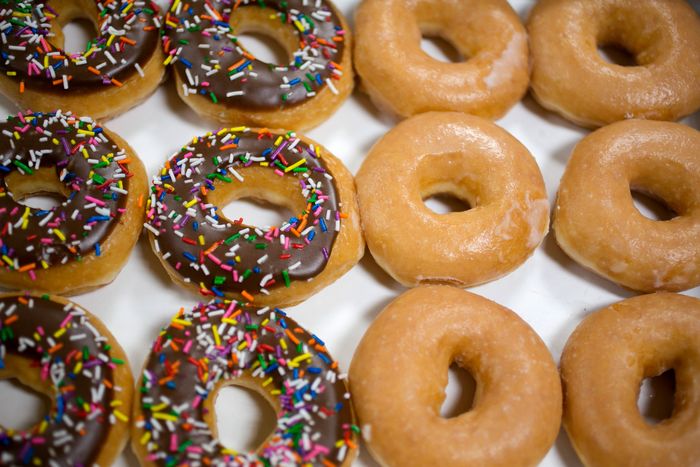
(173, 442)
(187, 347)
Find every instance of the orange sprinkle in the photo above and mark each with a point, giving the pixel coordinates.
(56, 348)
(93, 70)
(11, 320)
(247, 296)
(107, 383)
(27, 267)
(228, 146)
(21, 87)
(140, 201)
(335, 65)
(344, 215)
(128, 41)
(117, 83)
(292, 337)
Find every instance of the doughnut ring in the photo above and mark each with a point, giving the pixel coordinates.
(472, 159)
(399, 373)
(62, 351)
(597, 224)
(571, 78)
(401, 78)
(219, 79)
(281, 265)
(119, 68)
(82, 243)
(225, 343)
(603, 365)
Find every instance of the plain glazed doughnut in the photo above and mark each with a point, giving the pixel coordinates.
(118, 69)
(218, 78)
(472, 159)
(603, 365)
(225, 343)
(60, 350)
(399, 373)
(205, 252)
(570, 77)
(400, 77)
(595, 219)
(82, 243)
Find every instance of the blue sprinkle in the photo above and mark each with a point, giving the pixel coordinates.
(324, 228)
(189, 256)
(98, 252)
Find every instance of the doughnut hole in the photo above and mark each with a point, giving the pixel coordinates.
(459, 393)
(628, 37)
(244, 418)
(444, 203)
(656, 394)
(276, 196)
(440, 48)
(31, 398)
(264, 36)
(75, 25)
(41, 190)
(651, 207)
(661, 191)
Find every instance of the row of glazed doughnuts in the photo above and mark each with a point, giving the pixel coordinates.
(397, 378)
(221, 80)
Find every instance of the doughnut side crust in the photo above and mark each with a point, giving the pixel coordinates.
(472, 159)
(399, 373)
(597, 224)
(603, 365)
(572, 79)
(402, 79)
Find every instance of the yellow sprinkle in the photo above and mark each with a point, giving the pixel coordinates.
(145, 438)
(159, 407)
(230, 321)
(44, 264)
(302, 357)
(78, 367)
(86, 132)
(169, 58)
(201, 240)
(267, 381)
(115, 403)
(7, 260)
(230, 452)
(182, 322)
(237, 129)
(165, 416)
(217, 339)
(242, 345)
(283, 344)
(276, 392)
(59, 234)
(59, 333)
(120, 415)
(191, 202)
(295, 165)
(279, 140)
(176, 3)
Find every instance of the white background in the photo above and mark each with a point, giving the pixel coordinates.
(549, 291)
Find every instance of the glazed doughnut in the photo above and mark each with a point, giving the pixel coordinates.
(281, 265)
(471, 159)
(221, 80)
(399, 373)
(603, 365)
(60, 350)
(82, 243)
(570, 77)
(401, 78)
(120, 68)
(597, 224)
(224, 343)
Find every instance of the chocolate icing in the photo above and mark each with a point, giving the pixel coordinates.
(222, 341)
(90, 165)
(26, 25)
(200, 245)
(72, 436)
(255, 84)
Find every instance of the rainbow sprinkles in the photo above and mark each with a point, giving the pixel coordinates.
(225, 257)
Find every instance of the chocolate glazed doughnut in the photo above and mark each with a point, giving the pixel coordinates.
(220, 79)
(224, 343)
(59, 349)
(83, 242)
(118, 69)
(281, 265)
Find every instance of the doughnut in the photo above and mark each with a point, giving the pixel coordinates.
(402, 79)
(399, 373)
(60, 350)
(119, 68)
(226, 343)
(206, 252)
(571, 78)
(597, 224)
(464, 156)
(602, 367)
(82, 243)
(221, 80)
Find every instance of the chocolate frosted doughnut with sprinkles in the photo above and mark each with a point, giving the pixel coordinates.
(60, 350)
(118, 68)
(204, 251)
(83, 242)
(225, 343)
(220, 79)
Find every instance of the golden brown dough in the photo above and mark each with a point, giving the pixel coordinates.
(472, 159)
(603, 365)
(597, 223)
(400, 77)
(399, 373)
(570, 77)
